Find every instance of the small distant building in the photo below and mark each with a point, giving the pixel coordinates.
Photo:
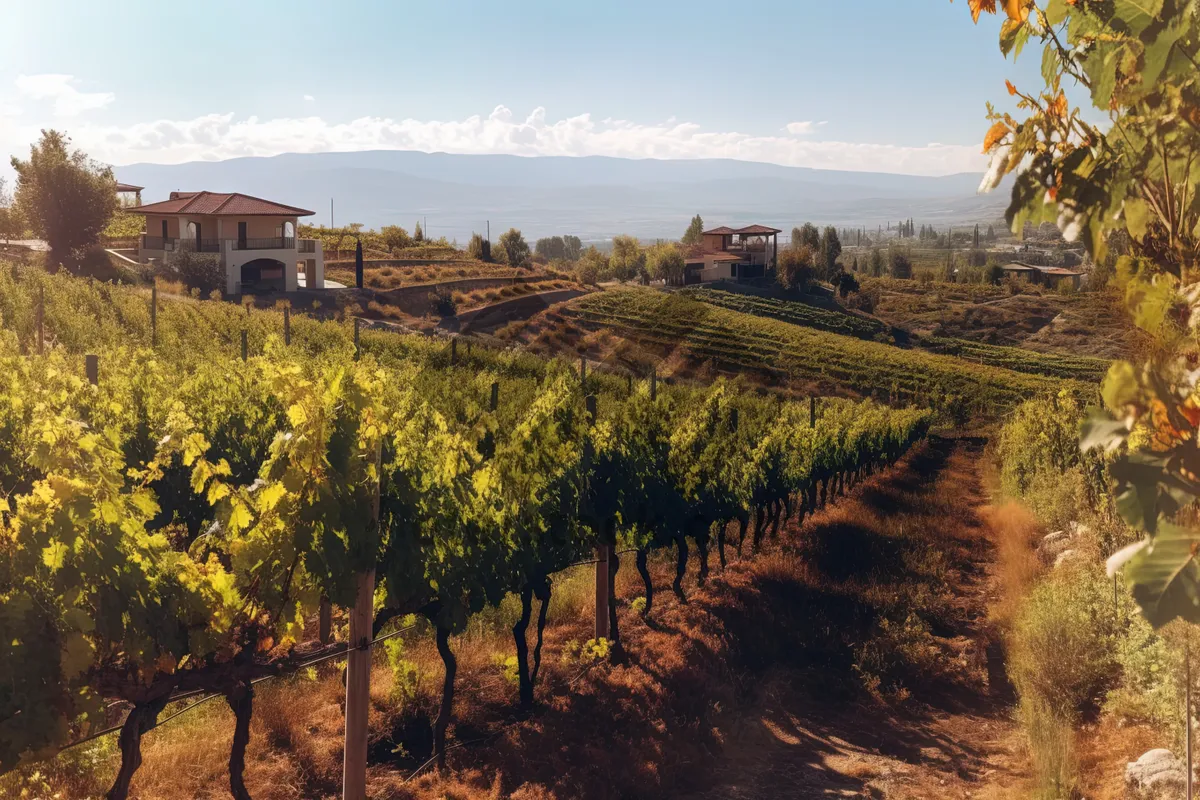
(129, 195)
(1045, 276)
(738, 254)
(255, 238)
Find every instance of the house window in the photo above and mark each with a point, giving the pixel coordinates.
(733, 270)
(164, 229)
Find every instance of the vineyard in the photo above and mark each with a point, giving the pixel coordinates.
(836, 363)
(799, 313)
(190, 488)
(1014, 358)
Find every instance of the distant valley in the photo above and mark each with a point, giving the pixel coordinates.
(592, 197)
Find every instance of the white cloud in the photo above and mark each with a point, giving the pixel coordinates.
(221, 136)
(801, 128)
(308, 98)
(68, 101)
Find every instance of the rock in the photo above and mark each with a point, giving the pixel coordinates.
(1157, 775)
(1066, 556)
(1054, 543)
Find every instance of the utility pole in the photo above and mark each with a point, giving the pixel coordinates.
(331, 212)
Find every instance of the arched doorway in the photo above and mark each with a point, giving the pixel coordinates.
(263, 275)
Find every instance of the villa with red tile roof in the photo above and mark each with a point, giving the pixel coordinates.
(739, 254)
(254, 238)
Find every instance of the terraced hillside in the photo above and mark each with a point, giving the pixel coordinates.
(862, 326)
(782, 352)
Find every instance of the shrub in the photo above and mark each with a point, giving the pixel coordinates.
(442, 303)
(201, 271)
(795, 267)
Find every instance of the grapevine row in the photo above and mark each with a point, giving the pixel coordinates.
(171, 527)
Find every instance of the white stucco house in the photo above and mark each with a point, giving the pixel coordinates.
(255, 239)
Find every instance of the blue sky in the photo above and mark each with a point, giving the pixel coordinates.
(864, 84)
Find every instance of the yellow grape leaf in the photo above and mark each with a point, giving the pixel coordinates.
(1137, 214)
(1011, 89)
(994, 134)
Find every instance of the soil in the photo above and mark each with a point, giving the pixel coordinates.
(749, 690)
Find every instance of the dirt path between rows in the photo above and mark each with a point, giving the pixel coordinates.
(947, 741)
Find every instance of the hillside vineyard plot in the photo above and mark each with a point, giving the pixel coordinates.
(177, 510)
(1017, 359)
(835, 362)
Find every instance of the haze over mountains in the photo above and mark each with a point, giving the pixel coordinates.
(593, 197)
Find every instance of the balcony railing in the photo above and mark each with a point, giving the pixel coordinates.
(157, 243)
(273, 243)
(200, 245)
(215, 245)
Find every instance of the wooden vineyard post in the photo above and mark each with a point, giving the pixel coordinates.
(154, 315)
(453, 352)
(357, 341)
(325, 621)
(41, 316)
(495, 401)
(358, 677)
(468, 348)
(582, 370)
(287, 325)
(602, 556)
(358, 690)
(812, 412)
(629, 379)
(91, 365)
(654, 385)
(245, 346)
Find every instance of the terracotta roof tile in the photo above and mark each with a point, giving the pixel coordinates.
(222, 204)
(749, 230)
(128, 187)
(724, 230)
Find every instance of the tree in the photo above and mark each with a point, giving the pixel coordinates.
(199, 271)
(479, 248)
(395, 238)
(808, 235)
(845, 283)
(995, 274)
(975, 238)
(665, 262)
(795, 267)
(64, 196)
(418, 234)
(628, 261)
(991, 234)
(901, 266)
(876, 264)
(552, 248)
(574, 247)
(592, 266)
(695, 231)
(514, 247)
(11, 224)
(830, 249)
(949, 274)
(1136, 171)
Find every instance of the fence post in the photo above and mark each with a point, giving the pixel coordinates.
(358, 676)
(154, 315)
(358, 689)
(602, 556)
(245, 346)
(41, 316)
(91, 365)
(812, 412)
(287, 325)
(357, 344)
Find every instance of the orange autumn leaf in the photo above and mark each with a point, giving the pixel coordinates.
(979, 6)
(994, 134)
(1191, 411)
(1011, 89)
(1017, 10)
(1058, 106)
